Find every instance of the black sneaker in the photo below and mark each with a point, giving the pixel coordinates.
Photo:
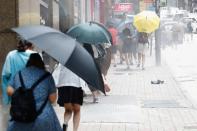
(65, 127)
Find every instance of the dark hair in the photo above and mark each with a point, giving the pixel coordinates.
(21, 46)
(35, 60)
(28, 45)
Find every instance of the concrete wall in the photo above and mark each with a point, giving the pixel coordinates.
(29, 12)
(55, 15)
(15, 13)
(8, 19)
(66, 14)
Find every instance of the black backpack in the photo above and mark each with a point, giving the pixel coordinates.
(23, 105)
(143, 38)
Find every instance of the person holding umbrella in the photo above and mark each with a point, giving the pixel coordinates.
(70, 94)
(94, 91)
(145, 22)
(142, 48)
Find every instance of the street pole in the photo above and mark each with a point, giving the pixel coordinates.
(157, 36)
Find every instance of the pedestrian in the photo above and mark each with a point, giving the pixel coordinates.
(127, 40)
(44, 94)
(94, 91)
(70, 95)
(114, 33)
(189, 31)
(119, 47)
(15, 60)
(143, 46)
(134, 43)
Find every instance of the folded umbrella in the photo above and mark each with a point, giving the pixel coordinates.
(65, 50)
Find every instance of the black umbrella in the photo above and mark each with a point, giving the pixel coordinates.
(65, 50)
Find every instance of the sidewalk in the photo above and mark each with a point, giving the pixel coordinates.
(134, 104)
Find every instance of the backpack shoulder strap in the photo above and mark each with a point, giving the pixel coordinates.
(33, 87)
(40, 80)
(21, 80)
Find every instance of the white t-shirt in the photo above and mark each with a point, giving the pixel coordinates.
(64, 77)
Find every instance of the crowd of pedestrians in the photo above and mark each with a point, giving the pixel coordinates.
(130, 46)
(24, 72)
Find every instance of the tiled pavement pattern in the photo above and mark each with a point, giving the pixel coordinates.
(134, 104)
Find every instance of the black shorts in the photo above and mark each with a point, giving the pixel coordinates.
(69, 94)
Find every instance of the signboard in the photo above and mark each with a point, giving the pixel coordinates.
(123, 7)
(148, 1)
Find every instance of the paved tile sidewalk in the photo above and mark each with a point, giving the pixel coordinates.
(134, 104)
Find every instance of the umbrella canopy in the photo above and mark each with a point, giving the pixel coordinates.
(146, 21)
(105, 29)
(91, 33)
(65, 50)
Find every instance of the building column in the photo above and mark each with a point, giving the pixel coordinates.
(66, 14)
(102, 11)
(9, 19)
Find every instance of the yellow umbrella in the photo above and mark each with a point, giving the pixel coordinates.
(146, 21)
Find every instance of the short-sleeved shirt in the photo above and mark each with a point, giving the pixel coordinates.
(64, 77)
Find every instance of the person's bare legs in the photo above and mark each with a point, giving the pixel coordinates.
(67, 114)
(114, 59)
(130, 58)
(135, 57)
(95, 96)
(126, 56)
(139, 59)
(76, 116)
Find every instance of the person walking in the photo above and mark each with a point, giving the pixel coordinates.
(134, 44)
(142, 48)
(114, 33)
(189, 31)
(126, 38)
(15, 60)
(44, 94)
(70, 95)
(94, 91)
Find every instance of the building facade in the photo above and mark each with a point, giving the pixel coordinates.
(59, 14)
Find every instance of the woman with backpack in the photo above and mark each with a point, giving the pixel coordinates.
(44, 94)
(142, 48)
